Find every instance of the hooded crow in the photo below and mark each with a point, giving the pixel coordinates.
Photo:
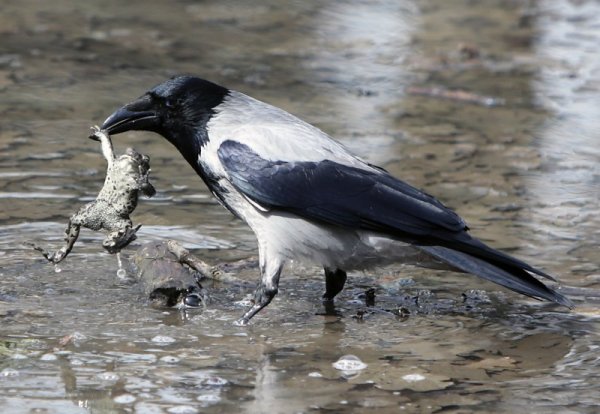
(306, 197)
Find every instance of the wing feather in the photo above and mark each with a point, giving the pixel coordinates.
(338, 194)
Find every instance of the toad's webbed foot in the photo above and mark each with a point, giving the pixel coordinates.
(71, 235)
(55, 257)
(143, 180)
(117, 240)
(147, 189)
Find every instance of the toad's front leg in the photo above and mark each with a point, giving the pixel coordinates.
(143, 180)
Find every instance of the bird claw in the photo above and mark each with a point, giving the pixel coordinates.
(241, 322)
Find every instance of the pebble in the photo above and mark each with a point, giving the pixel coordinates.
(48, 357)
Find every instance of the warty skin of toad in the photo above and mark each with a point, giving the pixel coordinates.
(126, 177)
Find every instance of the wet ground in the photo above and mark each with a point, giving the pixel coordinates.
(492, 106)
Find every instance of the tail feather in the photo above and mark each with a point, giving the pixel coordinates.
(477, 248)
(509, 275)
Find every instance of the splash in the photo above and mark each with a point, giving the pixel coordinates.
(121, 273)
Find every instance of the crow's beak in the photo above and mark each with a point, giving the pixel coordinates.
(137, 115)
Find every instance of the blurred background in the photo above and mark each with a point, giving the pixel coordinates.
(492, 106)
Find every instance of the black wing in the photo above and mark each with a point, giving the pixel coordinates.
(338, 194)
(373, 200)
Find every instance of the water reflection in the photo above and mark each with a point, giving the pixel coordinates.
(368, 76)
(569, 187)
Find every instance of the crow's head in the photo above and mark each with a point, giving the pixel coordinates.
(175, 109)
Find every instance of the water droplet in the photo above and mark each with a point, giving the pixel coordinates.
(349, 363)
(57, 269)
(413, 377)
(121, 273)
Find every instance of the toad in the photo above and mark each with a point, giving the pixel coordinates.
(126, 178)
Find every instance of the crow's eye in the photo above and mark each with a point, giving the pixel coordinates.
(169, 103)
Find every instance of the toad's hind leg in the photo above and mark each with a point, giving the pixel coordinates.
(120, 238)
(71, 235)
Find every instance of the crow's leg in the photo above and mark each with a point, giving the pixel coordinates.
(334, 283)
(270, 269)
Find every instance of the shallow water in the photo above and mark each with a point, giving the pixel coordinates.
(523, 173)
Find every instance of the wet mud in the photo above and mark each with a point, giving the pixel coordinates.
(491, 106)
